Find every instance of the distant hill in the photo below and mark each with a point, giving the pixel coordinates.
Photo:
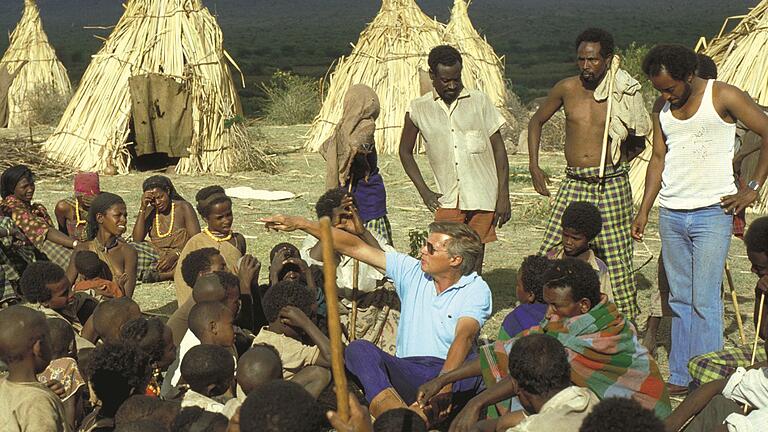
(306, 36)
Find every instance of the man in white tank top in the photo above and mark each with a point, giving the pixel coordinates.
(691, 171)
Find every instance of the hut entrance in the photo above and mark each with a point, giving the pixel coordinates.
(161, 111)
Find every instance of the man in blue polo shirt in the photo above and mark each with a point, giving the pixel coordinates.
(444, 303)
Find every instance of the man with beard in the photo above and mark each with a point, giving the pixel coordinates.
(460, 129)
(691, 171)
(585, 101)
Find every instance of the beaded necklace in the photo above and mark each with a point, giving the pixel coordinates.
(170, 226)
(216, 238)
(78, 221)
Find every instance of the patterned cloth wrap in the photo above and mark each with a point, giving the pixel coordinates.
(15, 255)
(613, 197)
(721, 364)
(604, 354)
(33, 220)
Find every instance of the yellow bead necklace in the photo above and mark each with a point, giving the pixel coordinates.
(216, 238)
(170, 226)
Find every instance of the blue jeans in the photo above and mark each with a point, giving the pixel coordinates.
(695, 244)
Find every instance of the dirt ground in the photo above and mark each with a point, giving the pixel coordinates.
(302, 174)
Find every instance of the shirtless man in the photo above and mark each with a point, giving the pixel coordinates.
(585, 125)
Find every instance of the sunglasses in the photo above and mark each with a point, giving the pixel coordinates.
(431, 249)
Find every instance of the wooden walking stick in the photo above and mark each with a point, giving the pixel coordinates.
(334, 324)
(611, 83)
(355, 285)
(735, 301)
(757, 336)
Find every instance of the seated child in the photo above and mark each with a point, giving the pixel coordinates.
(109, 318)
(210, 323)
(530, 294)
(45, 287)
(143, 407)
(194, 266)
(281, 406)
(215, 207)
(93, 278)
(25, 346)
(72, 213)
(621, 414)
(539, 366)
(153, 338)
(209, 372)
(718, 405)
(259, 365)
(288, 307)
(115, 373)
(192, 419)
(581, 223)
(64, 369)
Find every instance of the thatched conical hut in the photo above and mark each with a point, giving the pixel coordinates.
(741, 56)
(160, 84)
(390, 57)
(483, 69)
(29, 68)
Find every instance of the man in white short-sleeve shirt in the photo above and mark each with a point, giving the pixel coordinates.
(460, 128)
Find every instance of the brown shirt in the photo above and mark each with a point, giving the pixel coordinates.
(30, 407)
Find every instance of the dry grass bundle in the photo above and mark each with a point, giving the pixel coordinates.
(32, 60)
(26, 150)
(740, 55)
(388, 57)
(483, 69)
(179, 39)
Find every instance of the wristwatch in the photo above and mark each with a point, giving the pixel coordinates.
(754, 185)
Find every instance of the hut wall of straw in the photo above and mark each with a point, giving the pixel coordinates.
(741, 56)
(483, 69)
(31, 58)
(177, 38)
(388, 57)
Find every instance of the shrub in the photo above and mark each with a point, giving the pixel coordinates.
(290, 99)
(632, 61)
(46, 105)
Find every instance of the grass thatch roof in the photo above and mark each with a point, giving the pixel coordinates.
(176, 38)
(31, 61)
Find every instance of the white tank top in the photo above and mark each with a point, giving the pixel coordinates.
(698, 168)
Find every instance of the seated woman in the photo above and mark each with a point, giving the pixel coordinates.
(216, 209)
(17, 187)
(530, 294)
(15, 255)
(72, 213)
(170, 221)
(106, 221)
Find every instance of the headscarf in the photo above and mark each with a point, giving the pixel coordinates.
(12, 176)
(164, 183)
(100, 204)
(87, 183)
(353, 134)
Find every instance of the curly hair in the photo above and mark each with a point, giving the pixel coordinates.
(445, 55)
(329, 201)
(163, 183)
(678, 60)
(584, 218)
(597, 35)
(197, 419)
(287, 293)
(280, 246)
(617, 414)
(532, 275)
(539, 364)
(100, 205)
(35, 278)
(273, 407)
(116, 371)
(756, 238)
(198, 261)
(147, 334)
(209, 196)
(204, 365)
(399, 419)
(707, 68)
(577, 275)
(143, 407)
(89, 264)
(12, 176)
